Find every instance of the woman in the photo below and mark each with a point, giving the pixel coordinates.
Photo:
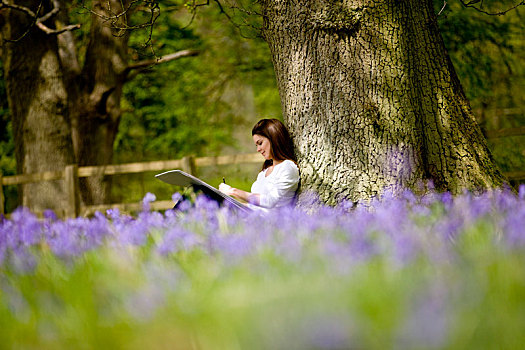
(278, 181)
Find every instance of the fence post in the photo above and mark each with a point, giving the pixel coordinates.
(2, 209)
(188, 165)
(71, 183)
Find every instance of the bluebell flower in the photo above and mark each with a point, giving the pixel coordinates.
(148, 198)
(427, 323)
(27, 229)
(176, 197)
(50, 215)
(514, 228)
(23, 260)
(233, 247)
(447, 199)
(133, 232)
(177, 239)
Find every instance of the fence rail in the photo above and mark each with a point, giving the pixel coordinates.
(188, 164)
(494, 134)
(71, 173)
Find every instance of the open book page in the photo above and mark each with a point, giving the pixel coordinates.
(180, 178)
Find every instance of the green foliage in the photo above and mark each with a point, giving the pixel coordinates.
(191, 105)
(509, 152)
(203, 105)
(487, 52)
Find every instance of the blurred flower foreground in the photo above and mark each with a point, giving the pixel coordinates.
(410, 272)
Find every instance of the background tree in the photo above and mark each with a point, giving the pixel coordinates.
(37, 98)
(64, 96)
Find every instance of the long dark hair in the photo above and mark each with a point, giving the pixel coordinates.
(281, 145)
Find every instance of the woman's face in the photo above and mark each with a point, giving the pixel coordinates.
(263, 146)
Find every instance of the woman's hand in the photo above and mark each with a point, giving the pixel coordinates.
(226, 189)
(252, 198)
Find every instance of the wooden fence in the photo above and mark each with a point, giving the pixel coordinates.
(188, 164)
(72, 172)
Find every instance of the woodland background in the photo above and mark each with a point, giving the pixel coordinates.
(207, 104)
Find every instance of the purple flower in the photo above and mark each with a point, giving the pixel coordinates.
(133, 232)
(207, 204)
(148, 198)
(506, 200)
(449, 227)
(521, 192)
(177, 239)
(447, 199)
(50, 215)
(235, 246)
(409, 197)
(27, 229)
(23, 260)
(73, 237)
(176, 197)
(514, 228)
(427, 323)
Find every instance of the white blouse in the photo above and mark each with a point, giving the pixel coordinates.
(279, 187)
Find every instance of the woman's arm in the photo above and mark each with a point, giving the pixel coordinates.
(249, 197)
(282, 187)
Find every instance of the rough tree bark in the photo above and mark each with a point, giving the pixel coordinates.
(372, 99)
(38, 103)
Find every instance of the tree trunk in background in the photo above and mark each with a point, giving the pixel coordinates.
(64, 113)
(95, 95)
(372, 100)
(38, 104)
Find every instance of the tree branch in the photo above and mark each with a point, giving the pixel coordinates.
(20, 8)
(444, 5)
(54, 11)
(114, 18)
(471, 4)
(38, 21)
(167, 58)
(48, 30)
(192, 8)
(142, 65)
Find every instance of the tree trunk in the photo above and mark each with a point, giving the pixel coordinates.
(38, 104)
(63, 110)
(95, 95)
(372, 100)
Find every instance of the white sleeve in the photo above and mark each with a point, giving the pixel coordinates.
(283, 186)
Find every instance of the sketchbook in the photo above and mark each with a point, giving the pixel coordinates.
(180, 178)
